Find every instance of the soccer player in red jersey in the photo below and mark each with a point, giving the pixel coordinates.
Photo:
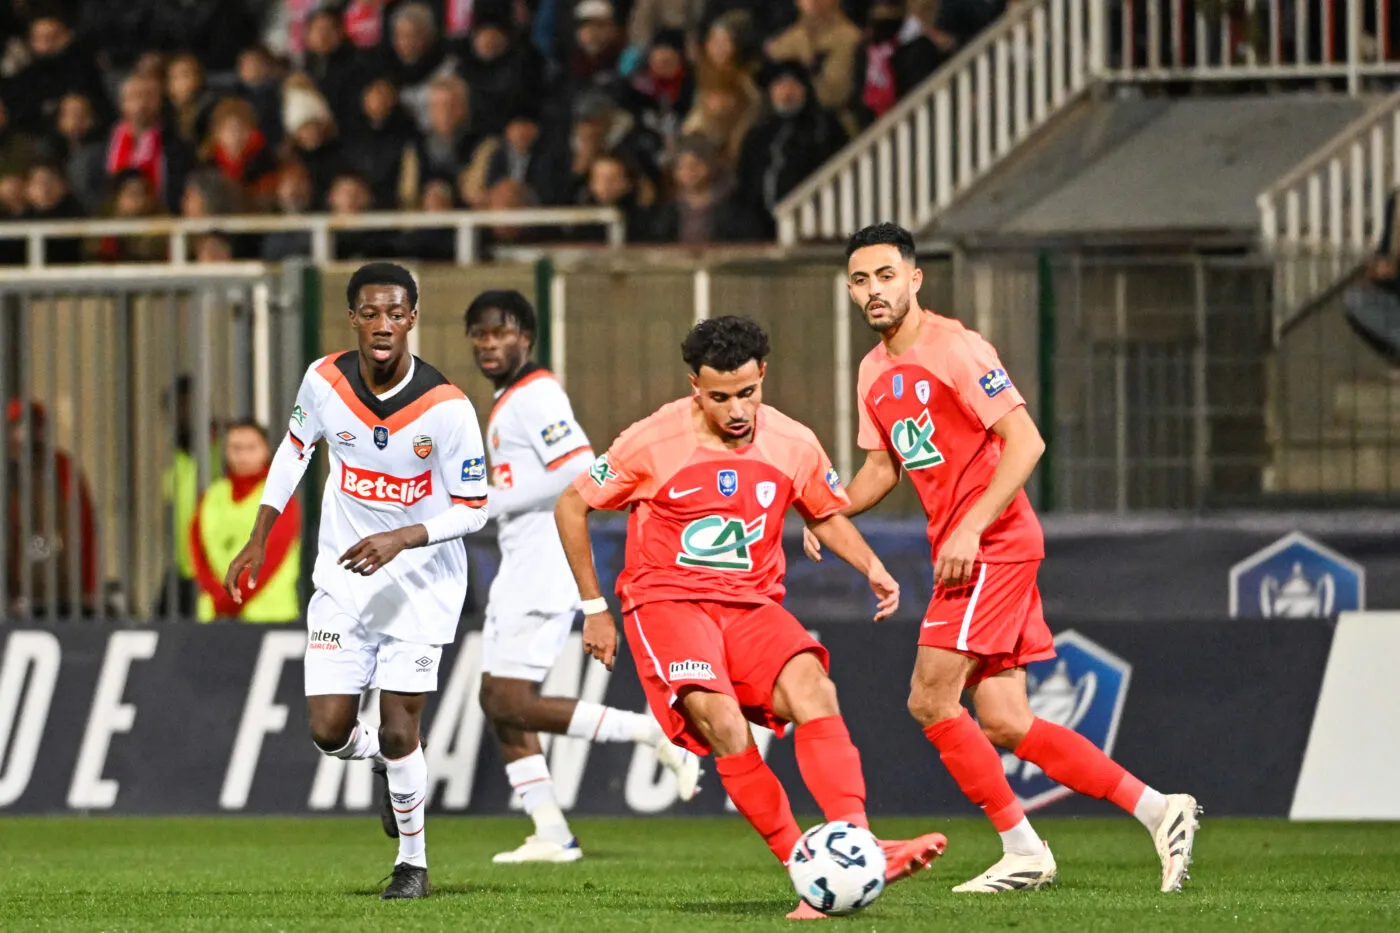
(936, 403)
(708, 479)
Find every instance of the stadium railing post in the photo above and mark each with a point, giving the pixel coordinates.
(1045, 275)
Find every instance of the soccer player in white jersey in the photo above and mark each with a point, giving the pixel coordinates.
(407, 481)
(536, 449)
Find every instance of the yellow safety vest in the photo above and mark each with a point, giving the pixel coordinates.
(181, 483)
(224, 527)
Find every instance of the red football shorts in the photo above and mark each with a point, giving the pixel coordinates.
(996, 619)
(728, 648)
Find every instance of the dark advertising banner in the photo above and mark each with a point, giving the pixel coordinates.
(211, 719)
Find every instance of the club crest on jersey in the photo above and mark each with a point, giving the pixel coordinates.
(833, 479)
(921, 391)
(601, 471)
(897, 385)
(473, 469)
(728, 482)
(995, 382)
(422, 446)
(720, 542)
(765, 492)
(381, 436)
(556, 432)
(912, 439)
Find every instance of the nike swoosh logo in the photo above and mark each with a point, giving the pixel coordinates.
(684, 492)
(880, 398)
(933, 624)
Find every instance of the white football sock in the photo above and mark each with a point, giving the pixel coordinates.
(408, 786)
(1151, 808)
(530, 779)
(1021, 839)
(604, 724)
(364, 743)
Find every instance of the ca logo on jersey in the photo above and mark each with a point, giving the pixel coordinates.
(720, 542)
(913, 442)
(601, 471)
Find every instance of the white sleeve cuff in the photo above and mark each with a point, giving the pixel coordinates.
(457, 522)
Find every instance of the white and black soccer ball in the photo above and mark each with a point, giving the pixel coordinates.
(838, 868)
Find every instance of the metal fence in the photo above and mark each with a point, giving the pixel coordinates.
(109, 376)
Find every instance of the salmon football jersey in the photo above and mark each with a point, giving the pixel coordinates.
(707, 523)
(396, 459)
(532, 430)
(933, 407)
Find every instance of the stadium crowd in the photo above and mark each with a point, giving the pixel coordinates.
(693, 117)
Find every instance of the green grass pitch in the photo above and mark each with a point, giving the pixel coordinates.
(242, 873)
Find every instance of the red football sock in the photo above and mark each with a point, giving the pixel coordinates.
(830, 767)
(1068, 758)
(976, 766)
(758, 795)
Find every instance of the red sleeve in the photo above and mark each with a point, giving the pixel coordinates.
(981, 381)
(819, 491)
(614, 479)
(868, 433)
(285, 532)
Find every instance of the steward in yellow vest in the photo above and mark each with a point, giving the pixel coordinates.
(221, 525)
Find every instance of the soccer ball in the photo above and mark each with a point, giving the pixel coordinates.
(838, 868)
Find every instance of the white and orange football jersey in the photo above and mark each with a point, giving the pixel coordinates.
(396, 459)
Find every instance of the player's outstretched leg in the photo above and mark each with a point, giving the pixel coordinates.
(1069, 759)
(518, 712)
(830, 764)
(1026, 862)
(407, 772)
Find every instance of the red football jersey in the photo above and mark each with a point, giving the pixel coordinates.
(933, 408)
(707, 524)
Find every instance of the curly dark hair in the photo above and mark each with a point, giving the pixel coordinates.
(724, 344)
(512, 305)
(885, 234)
(381, 273)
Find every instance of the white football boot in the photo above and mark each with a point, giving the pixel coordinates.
(684, 764)
(1174, 837)
(536, 849)
(1013, 873)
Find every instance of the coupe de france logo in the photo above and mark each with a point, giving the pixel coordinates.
(1083, 689)
(1296, 578)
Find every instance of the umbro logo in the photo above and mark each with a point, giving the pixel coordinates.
(424, 663)
(346, 438)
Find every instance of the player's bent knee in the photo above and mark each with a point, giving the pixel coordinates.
(398, 740)
(720, 720)
(331, 735)
(928, 707)
(1003, 731)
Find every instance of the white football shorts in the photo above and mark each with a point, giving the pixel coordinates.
(524, 645)
(345, 658)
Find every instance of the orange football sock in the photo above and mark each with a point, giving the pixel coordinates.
(830, 767)
(975, 765)
(760, 797)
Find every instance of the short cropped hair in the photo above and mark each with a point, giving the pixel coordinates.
(512, 305)
(381, 273)
(885, 234)
(724, 344)
(249, 424)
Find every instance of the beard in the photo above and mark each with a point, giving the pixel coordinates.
(897, 313)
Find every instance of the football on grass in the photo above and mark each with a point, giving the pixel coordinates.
(838, 868)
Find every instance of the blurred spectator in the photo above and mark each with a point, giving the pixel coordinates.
(295, 195)
(601, 127)
(502, 73)
(350, 195)
(375, 150)
(1373, 307)
(522, 154)
(507, 195)
(260, 82)
(896, 56)
(225, 517)
(311, 133)
(768, 18)
(132, 197)
(58, 67)
(661, 92)
(723, 113)
(61, 516)
(13, 201)
(140, 143)
(213, 247)
(209, 193)
(417, 54)
(17, 149)
(825, 42)
(728, 52)
(190, 101)
(80, 146)
(703, 208)
(364, 23)
(49, 199)
(446, 147)
(180, 493)
(614, 183)
(235, 145)
(331, 61)
(650, 17)
(790, 143)
(430, 243)
(598, 44)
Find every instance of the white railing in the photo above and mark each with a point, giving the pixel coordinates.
(1320, 220)
(1257, 39)
(320, 227)
(946, 134)
(1042, 55)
